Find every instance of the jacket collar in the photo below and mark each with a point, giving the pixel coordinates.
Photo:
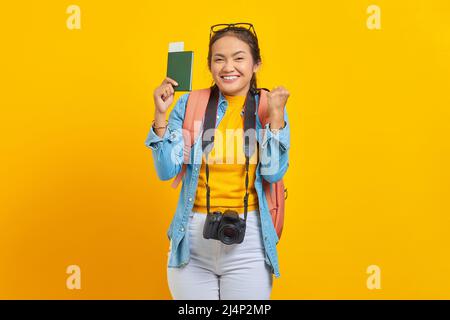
(223, 103)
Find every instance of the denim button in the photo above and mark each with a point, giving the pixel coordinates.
(190, 199)
(182, 229)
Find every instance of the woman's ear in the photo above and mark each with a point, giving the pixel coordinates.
(256, 66)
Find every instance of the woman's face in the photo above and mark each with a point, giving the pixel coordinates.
(231, 56)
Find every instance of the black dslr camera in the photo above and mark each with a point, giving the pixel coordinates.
(227, 227)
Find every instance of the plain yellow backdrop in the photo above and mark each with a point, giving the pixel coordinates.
(369, 176)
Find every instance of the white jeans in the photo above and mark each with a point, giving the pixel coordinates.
(219, 271)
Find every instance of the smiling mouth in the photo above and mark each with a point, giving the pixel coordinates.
(229, 78)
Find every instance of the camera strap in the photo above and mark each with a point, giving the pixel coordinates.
(249, 136)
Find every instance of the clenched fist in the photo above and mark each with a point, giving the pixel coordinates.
(276, 100)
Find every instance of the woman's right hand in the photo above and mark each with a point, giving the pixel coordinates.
(164, 94)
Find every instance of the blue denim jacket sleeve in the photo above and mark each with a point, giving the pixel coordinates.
(274, 152)
(168, 151)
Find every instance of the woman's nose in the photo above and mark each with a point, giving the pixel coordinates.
(229, 67)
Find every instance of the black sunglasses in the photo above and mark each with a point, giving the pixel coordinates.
(227, 26)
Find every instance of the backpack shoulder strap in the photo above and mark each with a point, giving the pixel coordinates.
(195, 111)
(274, 192)
(193, 118)
(262, 107)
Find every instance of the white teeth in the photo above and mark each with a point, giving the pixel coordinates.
(229, 78)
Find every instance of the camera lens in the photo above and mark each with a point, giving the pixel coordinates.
(228, 234)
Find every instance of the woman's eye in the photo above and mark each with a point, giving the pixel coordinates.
(218, 60)
(240, 58)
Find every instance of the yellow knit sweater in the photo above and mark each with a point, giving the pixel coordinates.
(227, 179)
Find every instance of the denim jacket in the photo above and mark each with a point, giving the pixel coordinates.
(168, 159)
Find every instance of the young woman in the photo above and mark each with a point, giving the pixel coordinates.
(200, 268)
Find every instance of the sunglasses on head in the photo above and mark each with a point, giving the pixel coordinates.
(227, 26)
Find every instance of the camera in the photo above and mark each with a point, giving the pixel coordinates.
(228, 227)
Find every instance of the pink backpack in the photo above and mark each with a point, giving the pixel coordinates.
(195, 112)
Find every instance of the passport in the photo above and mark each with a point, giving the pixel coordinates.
(179, 66)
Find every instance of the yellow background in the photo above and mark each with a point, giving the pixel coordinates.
(369, 177)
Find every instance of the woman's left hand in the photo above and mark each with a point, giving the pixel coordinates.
(276, 101)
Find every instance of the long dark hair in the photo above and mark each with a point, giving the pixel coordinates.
(245, 35)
